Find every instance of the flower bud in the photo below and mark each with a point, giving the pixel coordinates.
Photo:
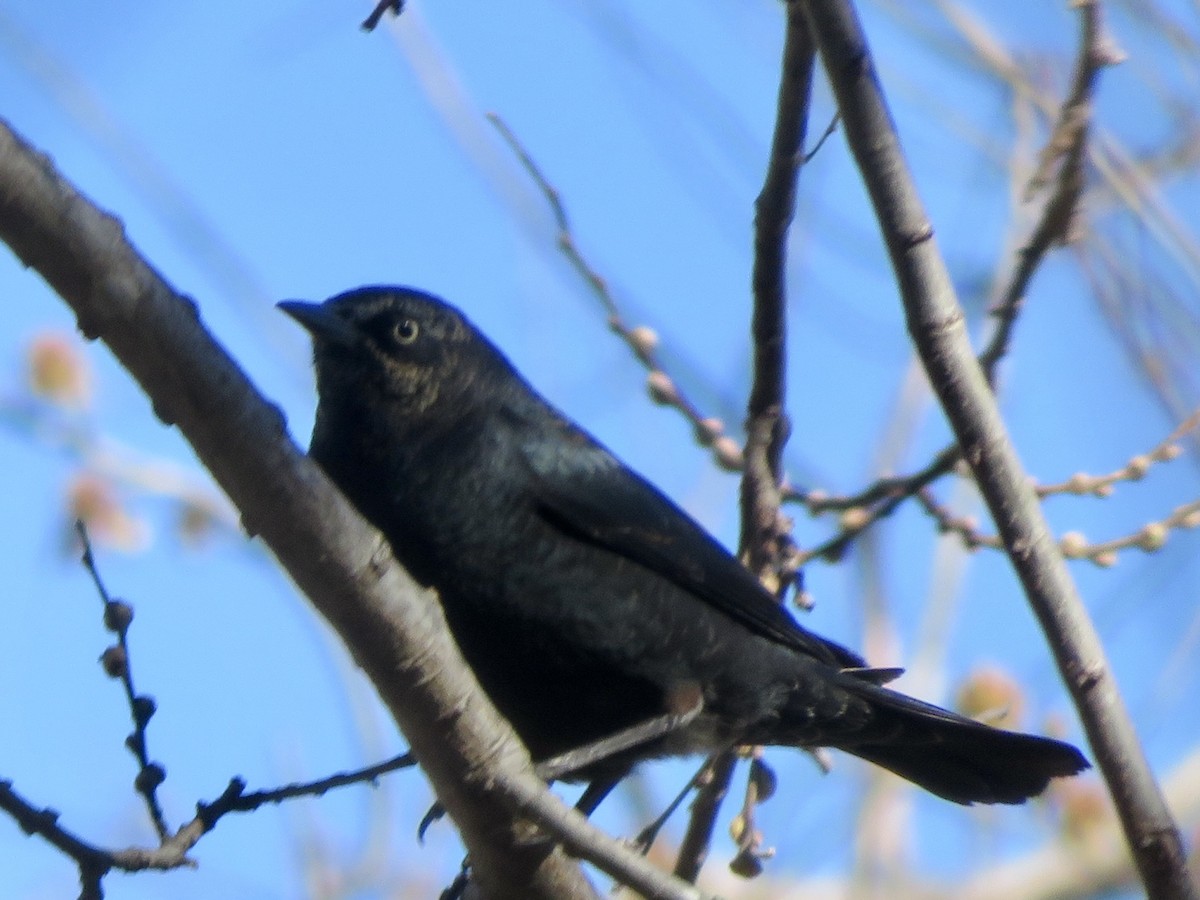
(1152, 536)
(150, 778)
(644, 339)
(728, 453)
(1073, 544)
(1136, 468)
(117, 615)
(662, 388)
(115, 661)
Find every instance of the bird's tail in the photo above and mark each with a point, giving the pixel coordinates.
(954, 757)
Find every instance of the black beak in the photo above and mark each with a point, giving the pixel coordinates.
(321, 322)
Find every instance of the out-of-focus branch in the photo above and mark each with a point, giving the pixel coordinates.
(95, 862)
(642, 341)
(1080, 862)
(54, 410)
(1136, 469)
(118, 615)
(393, 628)
(1149, 537)
(1127, 290)
(1065, 152)
(936, 323)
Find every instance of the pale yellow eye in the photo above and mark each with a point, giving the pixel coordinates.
(405, 331)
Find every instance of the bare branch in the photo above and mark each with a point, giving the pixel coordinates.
(1150, 537)
(93, 863)
(172, 852)
(394, 629)
(886, 494)
(1073, 545)
(714, 785)
(643, 341)
(118, 615)
(1066, 146)
(1136, 469)
(371, 22)
(936, 323)
(766, 544)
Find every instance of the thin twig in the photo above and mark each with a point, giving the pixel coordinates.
(886, 495)
(117, 617)
(95, 862)
(367, 775)
(1066, 147)
(371, 22)
(1150, 537)
(1136, 469)
(829, 132)
(643, 341)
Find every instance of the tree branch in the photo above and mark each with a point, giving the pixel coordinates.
(1059, 191)
(640, 339)
(936, 323)
(764, 542)
(394, 629)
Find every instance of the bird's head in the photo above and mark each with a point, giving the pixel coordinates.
(394, 349)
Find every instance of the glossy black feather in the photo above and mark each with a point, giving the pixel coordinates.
(584, 599)
(591, 496)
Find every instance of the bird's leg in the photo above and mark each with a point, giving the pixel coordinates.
(648, 835)
(683, 706)
(593, 795)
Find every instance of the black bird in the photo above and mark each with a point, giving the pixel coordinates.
(587, 602)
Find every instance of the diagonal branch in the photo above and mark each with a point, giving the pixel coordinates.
(936, 323)
(394, 629)
(641, 340)
(1059, 190)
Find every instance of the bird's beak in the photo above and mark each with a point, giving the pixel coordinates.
(321, 322)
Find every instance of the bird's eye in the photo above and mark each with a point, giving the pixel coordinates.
(405, 331)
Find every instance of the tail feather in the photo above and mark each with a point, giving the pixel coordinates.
(958, 758)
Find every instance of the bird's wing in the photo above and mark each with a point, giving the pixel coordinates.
(584, 490)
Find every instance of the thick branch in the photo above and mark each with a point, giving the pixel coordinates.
(393, 628)
(936, 323)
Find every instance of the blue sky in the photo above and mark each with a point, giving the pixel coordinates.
(265, 151)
